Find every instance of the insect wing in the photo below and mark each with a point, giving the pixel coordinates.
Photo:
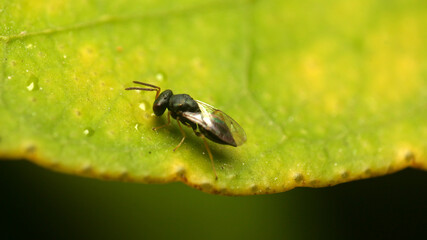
(212, 116)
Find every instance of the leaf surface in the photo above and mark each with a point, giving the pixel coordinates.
(327, 92)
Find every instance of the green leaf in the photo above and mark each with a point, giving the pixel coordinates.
(327, 91)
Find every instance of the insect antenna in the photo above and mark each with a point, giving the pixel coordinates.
(153, 88)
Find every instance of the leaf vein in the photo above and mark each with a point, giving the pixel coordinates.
(197, 9)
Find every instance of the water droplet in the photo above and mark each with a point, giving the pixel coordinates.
(33, 83)
(142, 106)
(136, 127)
(88, 132)
(26, 70)
(29, 46)
(9, 77)
(65, 56)
(30, 87)
(161, 76)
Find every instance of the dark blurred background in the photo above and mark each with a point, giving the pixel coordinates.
(36, 203)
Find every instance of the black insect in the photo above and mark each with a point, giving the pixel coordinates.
(205, 120)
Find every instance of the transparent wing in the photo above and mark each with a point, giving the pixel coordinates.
(210, 118)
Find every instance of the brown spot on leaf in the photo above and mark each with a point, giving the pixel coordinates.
(368, 171)
(314, 183)
(299, 178)
(409, 156)
(87, 168)
(344, 175)
(206, 187)
(181, 174)
(123, 175)
(30, 149)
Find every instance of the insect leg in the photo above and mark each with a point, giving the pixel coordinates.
(210, 155)
(183, 135)
(167, 124)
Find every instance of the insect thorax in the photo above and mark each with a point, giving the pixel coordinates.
(182, 103)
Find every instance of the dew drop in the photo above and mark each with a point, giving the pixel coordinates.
(65, 56)
(142, 106)
(161, 76)
(30, 87)
(9, 77)
(137, 127)
(29, 46)
(88, 132)
(33, 83)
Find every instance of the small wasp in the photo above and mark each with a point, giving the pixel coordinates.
(205, 120)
